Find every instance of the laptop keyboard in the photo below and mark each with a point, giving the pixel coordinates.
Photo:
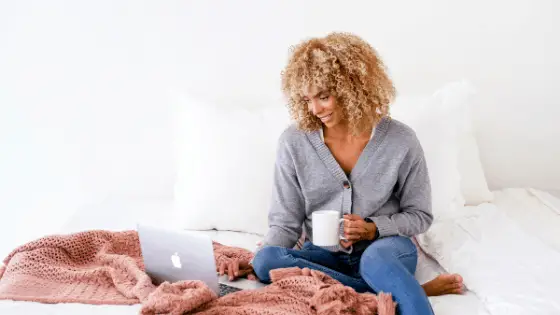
(226, 289)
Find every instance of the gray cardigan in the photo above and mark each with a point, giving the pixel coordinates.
(389, 184)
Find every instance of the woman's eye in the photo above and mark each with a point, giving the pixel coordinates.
(324, 98)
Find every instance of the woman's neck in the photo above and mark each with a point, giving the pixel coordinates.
(341, 132)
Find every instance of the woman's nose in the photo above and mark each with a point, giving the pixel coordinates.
(315, 107)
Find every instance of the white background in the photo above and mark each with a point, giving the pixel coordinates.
(83, 84)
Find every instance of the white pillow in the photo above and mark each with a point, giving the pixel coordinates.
(433, 126)
(455, 100)
(225, 162)
(227, 186)
(459, 96)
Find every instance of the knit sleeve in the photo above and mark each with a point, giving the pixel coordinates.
(414, 193)
(287, 207)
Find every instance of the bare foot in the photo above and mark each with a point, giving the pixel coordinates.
(444, 284)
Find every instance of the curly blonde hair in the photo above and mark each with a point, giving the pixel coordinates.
(346, 66)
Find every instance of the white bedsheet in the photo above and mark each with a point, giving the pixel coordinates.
(543, 221)
(124, 214)
(501, 253)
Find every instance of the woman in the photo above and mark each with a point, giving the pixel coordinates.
(345, 152)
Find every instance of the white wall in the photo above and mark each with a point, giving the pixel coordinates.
(83, 113)
(508, 49)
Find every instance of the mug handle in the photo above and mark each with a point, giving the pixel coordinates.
(341, 230)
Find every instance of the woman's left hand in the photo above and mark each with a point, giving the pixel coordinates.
(357, 229)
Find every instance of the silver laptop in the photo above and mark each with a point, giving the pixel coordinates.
(175, 255)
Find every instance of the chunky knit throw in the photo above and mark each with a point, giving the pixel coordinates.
(103, 267)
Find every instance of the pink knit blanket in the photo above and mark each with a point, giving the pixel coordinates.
(102, 267)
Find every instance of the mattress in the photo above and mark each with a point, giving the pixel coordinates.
(122, 214)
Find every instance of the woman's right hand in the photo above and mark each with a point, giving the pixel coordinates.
(235, 268)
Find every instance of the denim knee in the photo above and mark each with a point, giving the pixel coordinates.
(381, 254)
(374, 259)
(266, 259)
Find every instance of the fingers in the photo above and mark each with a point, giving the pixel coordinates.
(354, 233)
(233, 267)
(354, 223)
(230, 272)
(222, 268)
(245, 272)
(346, 244)
(353, 237)
(354, 230)
(352, 217)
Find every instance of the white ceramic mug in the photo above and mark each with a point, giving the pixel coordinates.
(326, 227)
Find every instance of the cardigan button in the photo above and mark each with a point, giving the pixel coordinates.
(346, 184)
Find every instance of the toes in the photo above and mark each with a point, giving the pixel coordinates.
(459, 288)
(452, 286)
(451, 278)
(453, 290)
(446, 277)
(457, 291)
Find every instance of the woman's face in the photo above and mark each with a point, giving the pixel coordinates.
(323, 105)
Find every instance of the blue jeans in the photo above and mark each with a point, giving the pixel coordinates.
(386, 265)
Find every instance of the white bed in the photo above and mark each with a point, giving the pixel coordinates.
(123, 214)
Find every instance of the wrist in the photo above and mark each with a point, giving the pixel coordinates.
(372, 229)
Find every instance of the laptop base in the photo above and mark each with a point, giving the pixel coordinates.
(226, 289)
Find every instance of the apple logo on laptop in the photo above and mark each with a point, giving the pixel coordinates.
(176, 260)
